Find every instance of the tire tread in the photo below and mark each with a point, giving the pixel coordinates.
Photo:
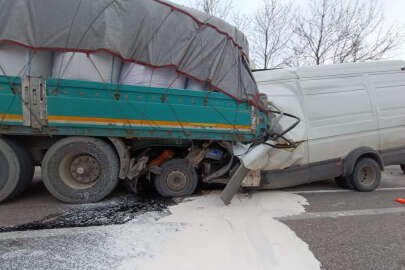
(25, 168)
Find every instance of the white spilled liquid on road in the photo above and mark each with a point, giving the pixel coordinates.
(244, 235)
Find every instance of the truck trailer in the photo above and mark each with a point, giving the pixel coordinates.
(66, 106)
(86, 139)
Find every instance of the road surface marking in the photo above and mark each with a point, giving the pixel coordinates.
(349, 213)
(340, 190)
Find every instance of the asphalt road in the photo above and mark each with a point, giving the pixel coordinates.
(344, 229)
(351, 230)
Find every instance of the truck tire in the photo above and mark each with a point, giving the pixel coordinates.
(366, 176)
(28, 167)
(403, 167)
(344, 182)
(16, 169)
(178, 178)
(80, 170)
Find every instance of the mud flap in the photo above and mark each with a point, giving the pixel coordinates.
(234, 184)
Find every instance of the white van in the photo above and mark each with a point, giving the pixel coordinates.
(353, 123)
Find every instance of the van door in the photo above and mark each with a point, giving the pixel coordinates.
(341, 118)
(390, 100)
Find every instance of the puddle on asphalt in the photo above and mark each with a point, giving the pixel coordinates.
(114, 212)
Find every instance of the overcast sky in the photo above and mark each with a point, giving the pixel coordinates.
(394, 12)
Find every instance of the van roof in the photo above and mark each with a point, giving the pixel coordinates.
(329, 70)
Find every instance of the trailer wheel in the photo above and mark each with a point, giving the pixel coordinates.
(80, 170)
(16, 169)
(344, 182)
(403, 167)
(28, 167)
(178, 178)
(366, 176)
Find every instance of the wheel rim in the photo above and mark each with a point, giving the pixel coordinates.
(4, 171)
(367, 176)
(176, 181)
(80, 171)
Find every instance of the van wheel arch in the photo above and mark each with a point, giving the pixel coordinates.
(351, 160)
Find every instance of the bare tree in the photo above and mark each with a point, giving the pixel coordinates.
(365, 35)
(338, 31)
(271, 33)
(241, 21)
(315, 32)
(218, 8)
(224, 9)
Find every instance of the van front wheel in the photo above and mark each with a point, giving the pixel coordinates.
(366, 176)
(403, 167)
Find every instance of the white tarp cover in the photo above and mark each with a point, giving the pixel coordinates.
(135, 74)
(99, 67)
(20, 61)
(151, 32)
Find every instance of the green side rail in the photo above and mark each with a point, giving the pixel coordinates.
(101, 109)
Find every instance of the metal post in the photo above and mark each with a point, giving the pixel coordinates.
(234, 184)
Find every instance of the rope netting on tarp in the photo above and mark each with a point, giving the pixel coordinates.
(140, 42)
